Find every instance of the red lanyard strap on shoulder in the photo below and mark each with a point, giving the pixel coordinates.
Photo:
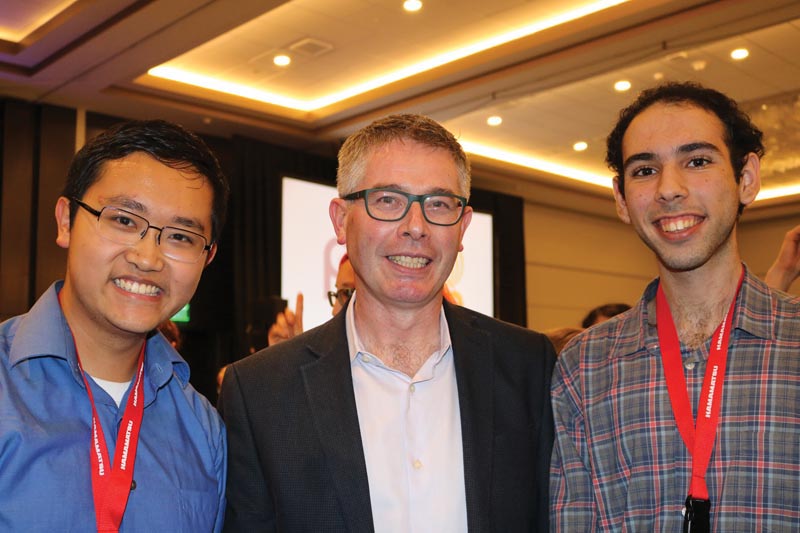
(698, 438)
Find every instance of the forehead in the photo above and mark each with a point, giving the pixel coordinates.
(410, 165)
(665, 126)
(154, 185)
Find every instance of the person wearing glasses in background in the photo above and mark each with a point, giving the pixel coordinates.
(289, 323)
(100, 429)
(404, 412)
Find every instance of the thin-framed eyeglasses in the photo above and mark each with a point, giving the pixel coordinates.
(124, 227)
(390, 205)
(341, 295)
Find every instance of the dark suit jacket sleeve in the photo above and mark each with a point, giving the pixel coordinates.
(546, 438)
(249, 500)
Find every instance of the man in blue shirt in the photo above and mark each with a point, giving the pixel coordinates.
(99, 427)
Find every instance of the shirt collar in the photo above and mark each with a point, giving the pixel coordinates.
(754, 302)
(44, 332)
(356, 346)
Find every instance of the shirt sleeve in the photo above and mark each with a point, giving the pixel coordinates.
(221, 469)
(249, 503)
(572, 506)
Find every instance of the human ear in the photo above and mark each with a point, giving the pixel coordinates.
(63, 225)
(622, 205)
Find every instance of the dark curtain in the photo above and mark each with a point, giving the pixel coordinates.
(255, 217)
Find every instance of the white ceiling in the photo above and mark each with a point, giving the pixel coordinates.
(552, 83)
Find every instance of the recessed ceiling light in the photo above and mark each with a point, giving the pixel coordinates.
(494, 120)
(658, 76)
(764, 107)
(699, 65)
(580, 146)
(740, 53)
(412, 5)
(207, 120)
(622, 85)
(281, 60)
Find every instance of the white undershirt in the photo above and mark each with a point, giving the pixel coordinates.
(114, 389)
(411, 434)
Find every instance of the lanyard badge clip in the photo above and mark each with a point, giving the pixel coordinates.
(697, 518)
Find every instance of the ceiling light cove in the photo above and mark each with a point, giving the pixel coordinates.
(165, 71)
(535, 163)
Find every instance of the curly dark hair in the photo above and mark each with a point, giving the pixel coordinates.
(742, 137)
(168, 143)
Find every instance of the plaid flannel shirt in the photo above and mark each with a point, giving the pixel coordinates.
(619, 463)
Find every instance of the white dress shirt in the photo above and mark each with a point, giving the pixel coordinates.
(411, 434)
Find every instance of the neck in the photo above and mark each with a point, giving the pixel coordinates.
(103, 355)
(403, 339)
(698, 301)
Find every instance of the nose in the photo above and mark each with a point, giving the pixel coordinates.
(414, 223)
(671, 184)
(145, 253)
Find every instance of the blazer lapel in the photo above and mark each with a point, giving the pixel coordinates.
(329, 387)
(472, 353)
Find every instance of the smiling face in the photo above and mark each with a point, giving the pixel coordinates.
(681, 194)
(119, 290)
(401, 264)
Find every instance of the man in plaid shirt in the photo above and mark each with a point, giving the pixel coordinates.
(634, 451)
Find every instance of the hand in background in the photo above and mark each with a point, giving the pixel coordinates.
(786, 267)
(287, 324)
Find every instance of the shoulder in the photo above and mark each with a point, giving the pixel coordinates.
(280, 362)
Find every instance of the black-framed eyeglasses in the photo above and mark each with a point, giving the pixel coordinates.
(124, 227)
(341, 295)
(390, 205)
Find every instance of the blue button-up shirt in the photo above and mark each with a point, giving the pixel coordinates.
(45, 435)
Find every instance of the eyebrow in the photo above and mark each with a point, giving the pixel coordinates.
(130, 204)
(682, 149)
(435, 190)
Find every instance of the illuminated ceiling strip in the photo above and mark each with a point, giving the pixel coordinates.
(535, 164)
(16, 35)
(580, 175)
(208, 82)
(778, 192)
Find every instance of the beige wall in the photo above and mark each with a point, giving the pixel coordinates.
(576, 261)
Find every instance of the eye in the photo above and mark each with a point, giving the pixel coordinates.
(699, 162)
(180, 238)
(642, 172)
(122, 221)
(442, 203)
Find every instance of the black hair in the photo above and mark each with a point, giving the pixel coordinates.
(168, 143)
(607, 310)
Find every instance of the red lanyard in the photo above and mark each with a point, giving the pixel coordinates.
(111, 484)
(711, 394)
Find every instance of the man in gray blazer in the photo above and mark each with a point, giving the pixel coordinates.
(403, 413)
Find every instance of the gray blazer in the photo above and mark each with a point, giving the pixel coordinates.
(295, 459)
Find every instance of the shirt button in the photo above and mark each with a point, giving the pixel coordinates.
(366, 358)
(133, 484)
(690, 365)
(412, 388)
(417, 464)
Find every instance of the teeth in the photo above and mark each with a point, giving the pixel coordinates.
(409, 262)
(678, 224)
(137, 288)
